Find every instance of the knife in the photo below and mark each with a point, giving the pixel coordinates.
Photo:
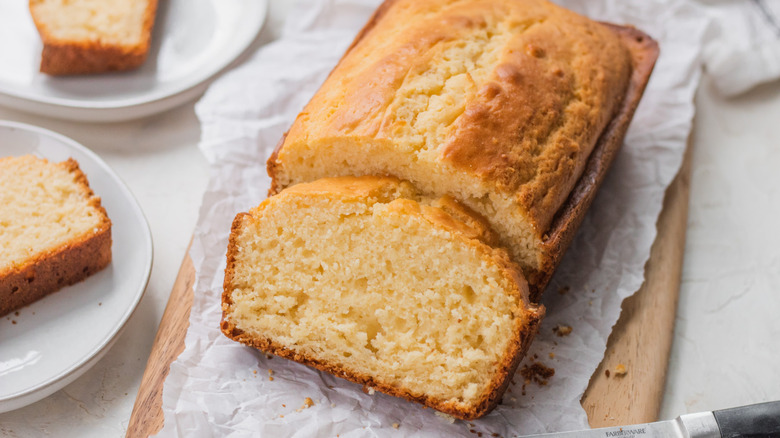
(755, 421)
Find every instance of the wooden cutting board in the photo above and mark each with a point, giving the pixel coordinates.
(609, 400)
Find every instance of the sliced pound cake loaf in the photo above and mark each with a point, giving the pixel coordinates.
(365, 279)
(53, 230)
(93, 36)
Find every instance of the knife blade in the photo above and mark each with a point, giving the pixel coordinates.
(761, 420)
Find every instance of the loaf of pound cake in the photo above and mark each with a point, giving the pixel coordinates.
(54, 231)
(513, 107)
(449, 157)
(93, 36)
(365, 278)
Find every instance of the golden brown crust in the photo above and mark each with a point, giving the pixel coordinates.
(644, 52)
(530, 130)
(272, 165)
(490, 399)
(526, 132)
(60, 57)
(63, 266)
(471, 233)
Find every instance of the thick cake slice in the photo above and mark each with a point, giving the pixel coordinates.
(93, 36)
(53, 230)
(365, 279)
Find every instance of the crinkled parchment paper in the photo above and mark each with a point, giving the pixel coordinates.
(220, 388)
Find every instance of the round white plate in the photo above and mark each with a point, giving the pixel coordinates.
(51, 342)
(192, 41)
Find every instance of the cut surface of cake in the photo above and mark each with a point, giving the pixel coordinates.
(53, 229)
(93, 36)
(365, 278)
(498, 104)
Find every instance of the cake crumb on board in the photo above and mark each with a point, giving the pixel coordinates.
(621, 370)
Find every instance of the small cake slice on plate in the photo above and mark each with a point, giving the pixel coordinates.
(53, 230)
(366, 279)
(93, 36)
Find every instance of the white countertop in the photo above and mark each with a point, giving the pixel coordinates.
(727, 339)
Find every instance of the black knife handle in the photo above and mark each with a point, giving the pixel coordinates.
(753, 421)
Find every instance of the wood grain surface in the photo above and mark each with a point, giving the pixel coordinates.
(641, 339)
(147, 416)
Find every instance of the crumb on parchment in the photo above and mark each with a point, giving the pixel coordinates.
(537, 372)
(307, 403)
(448, 418)
(562, 330)
(396, 425)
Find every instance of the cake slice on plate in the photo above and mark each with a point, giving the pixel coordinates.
(53, 230)
(93, 36)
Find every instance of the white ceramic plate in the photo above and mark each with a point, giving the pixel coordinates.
(193, 40)
(56, 339)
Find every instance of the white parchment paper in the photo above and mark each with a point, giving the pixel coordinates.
(220, 388)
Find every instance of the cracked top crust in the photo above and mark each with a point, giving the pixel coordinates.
(514, 94)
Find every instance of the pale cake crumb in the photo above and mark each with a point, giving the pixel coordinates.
(562, 330)
(448, 418)
(621, 370)
(307, 403)
(396, 425)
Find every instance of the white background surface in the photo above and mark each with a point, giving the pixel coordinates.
(726, 341)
